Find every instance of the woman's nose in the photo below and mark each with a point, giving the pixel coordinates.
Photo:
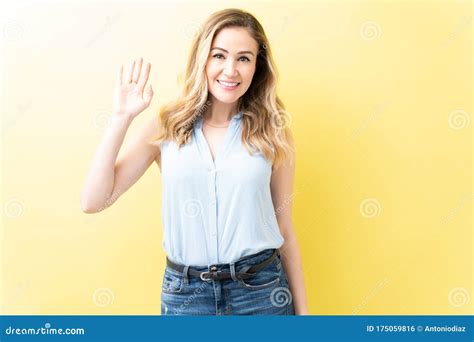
(230, 70)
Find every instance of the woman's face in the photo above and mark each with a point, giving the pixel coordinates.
(232, 59)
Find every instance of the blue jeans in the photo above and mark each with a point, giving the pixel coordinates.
(267, 293)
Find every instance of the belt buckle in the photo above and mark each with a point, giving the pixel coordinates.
(212, 271)
(205, 279)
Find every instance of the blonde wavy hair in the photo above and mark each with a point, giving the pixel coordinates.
(265, 122)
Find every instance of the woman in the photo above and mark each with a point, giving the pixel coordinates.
(226, 158)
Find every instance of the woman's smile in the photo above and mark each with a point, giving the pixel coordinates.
(228, 85)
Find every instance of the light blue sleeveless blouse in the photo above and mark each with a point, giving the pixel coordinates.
(215, 212)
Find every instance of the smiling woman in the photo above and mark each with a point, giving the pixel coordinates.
(231, 46)
(231, 71)
(227, 161)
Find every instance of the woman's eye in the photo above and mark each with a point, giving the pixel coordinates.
(220, 56)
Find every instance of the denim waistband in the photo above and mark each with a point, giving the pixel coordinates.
(252, 259)
(255, 258)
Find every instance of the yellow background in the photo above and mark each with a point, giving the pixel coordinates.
(380, 95)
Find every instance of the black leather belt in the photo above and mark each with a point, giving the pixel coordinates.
(245, 273)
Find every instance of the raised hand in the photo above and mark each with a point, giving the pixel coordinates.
(132, 96)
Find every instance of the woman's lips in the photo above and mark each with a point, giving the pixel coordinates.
(228, 85)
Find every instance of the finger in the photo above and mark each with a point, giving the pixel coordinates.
(130, 73)
(138, 68)
(144, 78)
(120, 75)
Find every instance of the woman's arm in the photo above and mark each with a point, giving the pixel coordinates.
(108, 178)
(282, 194)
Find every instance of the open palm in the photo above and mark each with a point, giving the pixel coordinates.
(132, 95)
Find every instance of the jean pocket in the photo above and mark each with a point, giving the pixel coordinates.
(172, 281)
(265, 278)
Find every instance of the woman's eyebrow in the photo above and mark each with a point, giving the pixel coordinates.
(239, 53)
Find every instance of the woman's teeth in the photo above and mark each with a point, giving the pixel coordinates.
(228, 85)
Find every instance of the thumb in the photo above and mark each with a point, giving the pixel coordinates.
(148, 94)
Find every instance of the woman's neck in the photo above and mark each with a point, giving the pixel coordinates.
(219, 113)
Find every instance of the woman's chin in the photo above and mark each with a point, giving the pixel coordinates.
(226, 99)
